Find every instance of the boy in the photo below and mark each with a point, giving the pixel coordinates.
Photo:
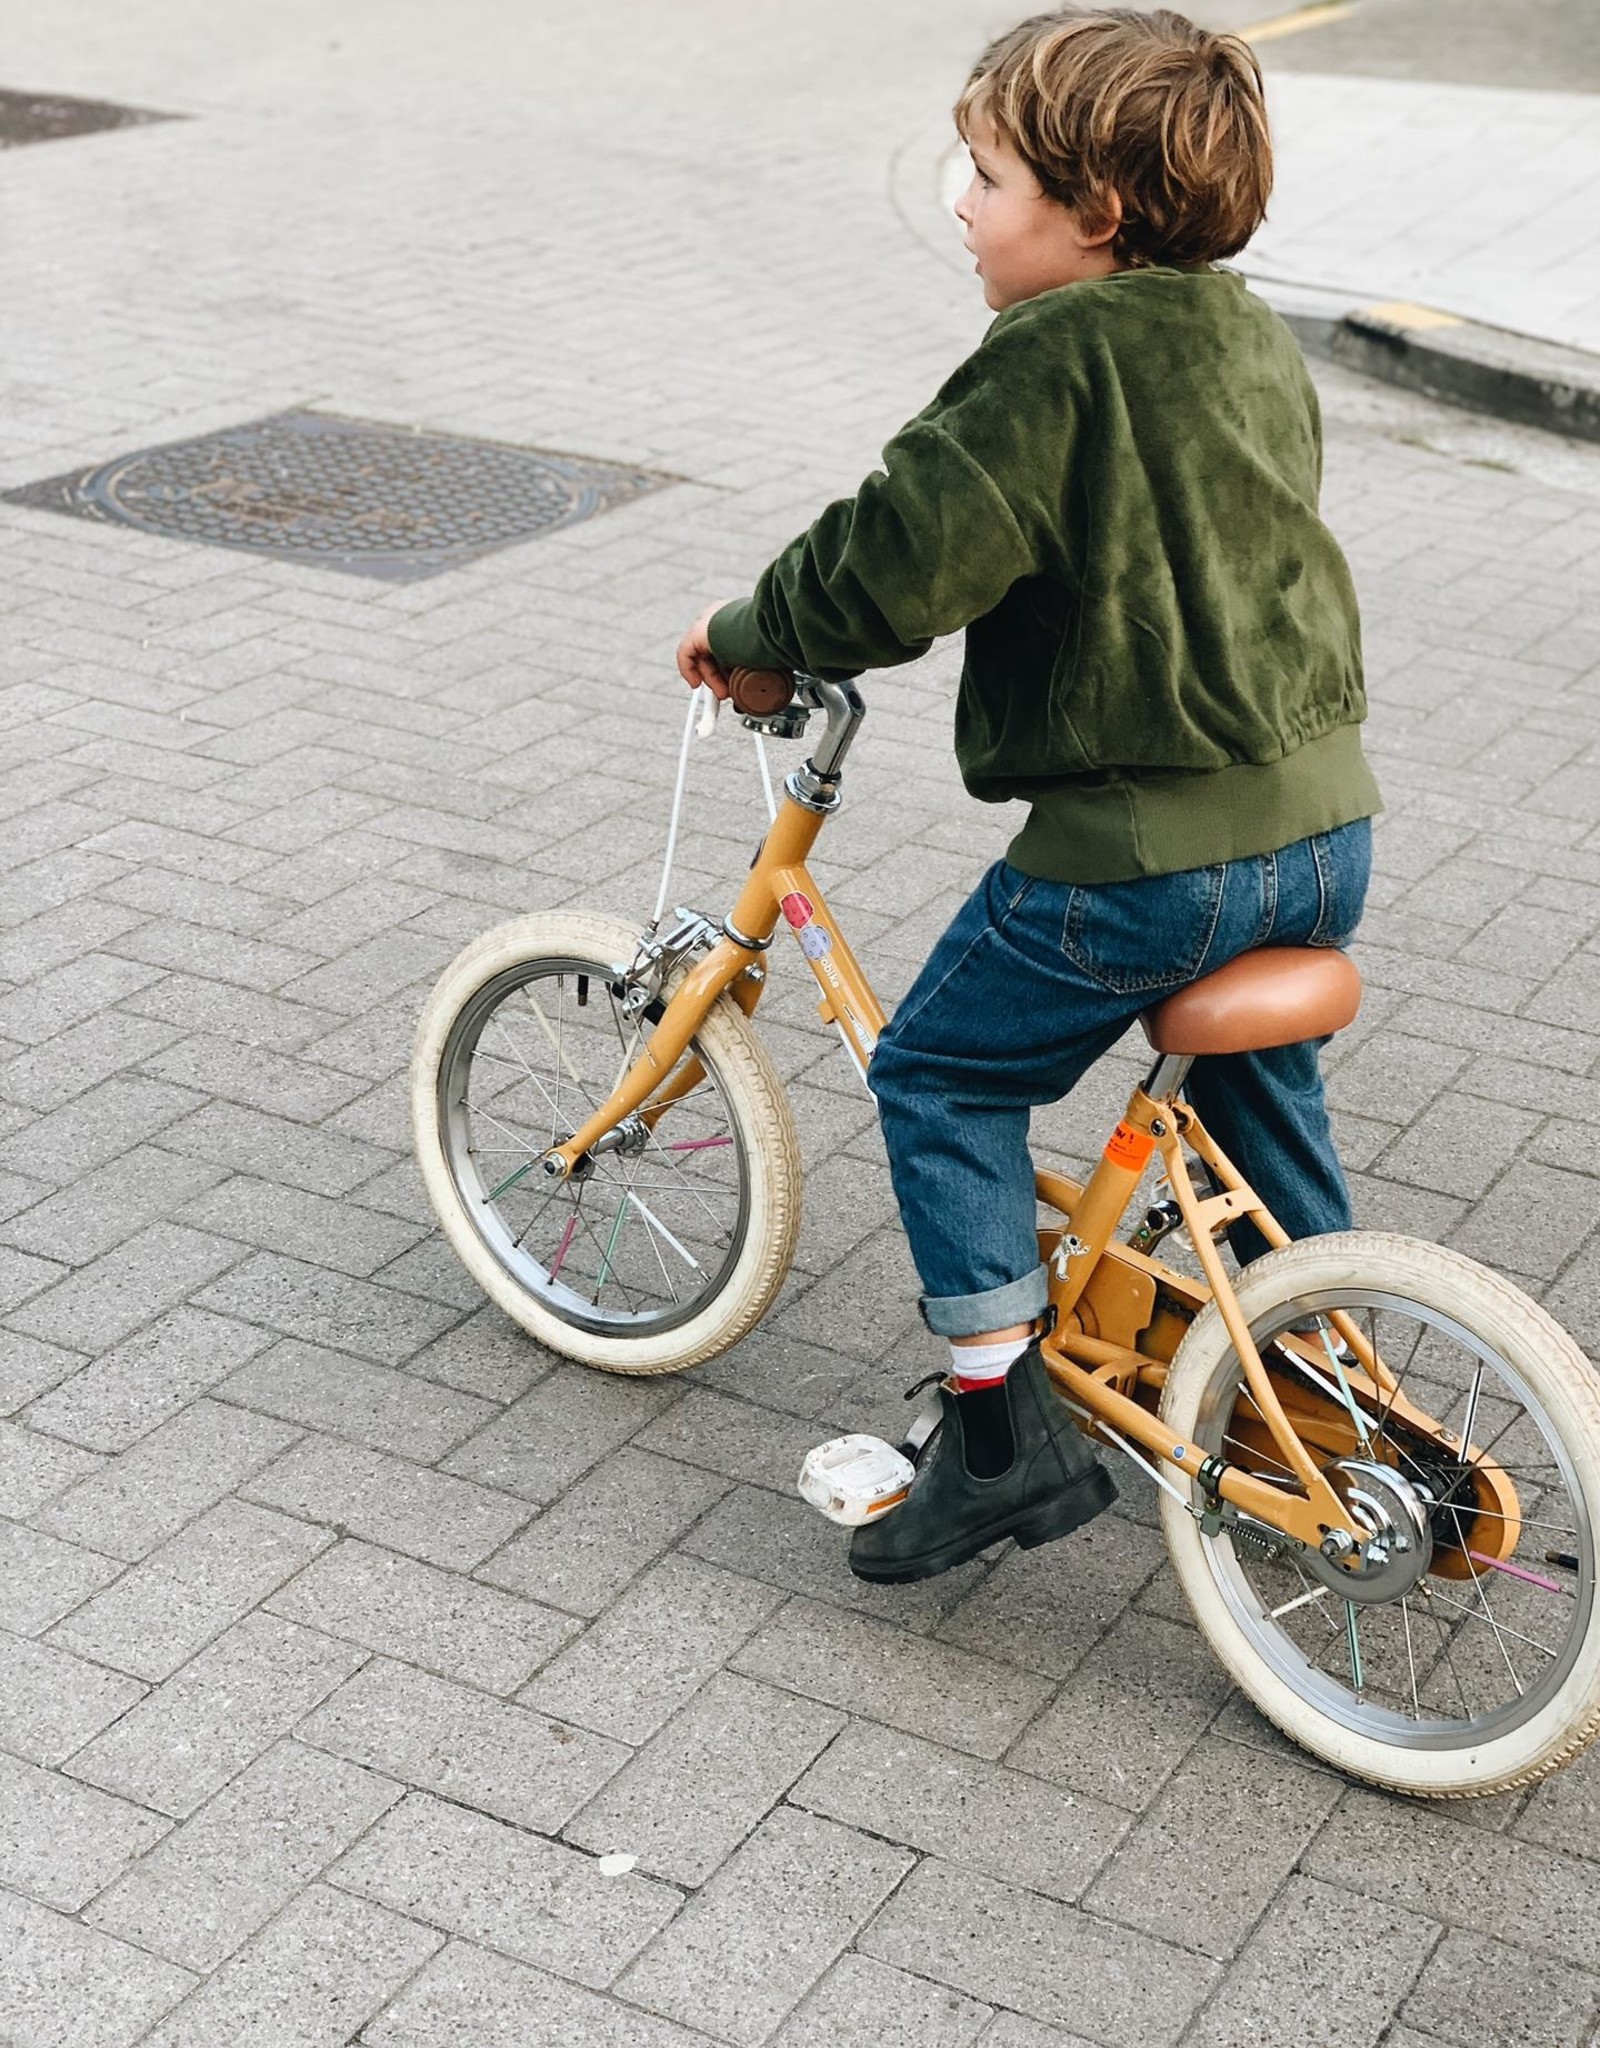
(1116, 496)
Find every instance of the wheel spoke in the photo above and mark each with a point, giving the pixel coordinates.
(555, 1043)
(1346, 1396)
(1496, 1641)
(1353, 1638)
(1515, 1571)
(611, 1245)
(1309, 1594)
(553, 1196)
(655, 1248)
(1471, 1415)
(643, 1235)
(1429, 1594)
(565, 1245)
(688, 1186)
(1254, 1458)
(505, 1130)
(1501, 1630)
(1411, 1659)
(1300, 1600)
(629, 1036)
(655, 1223)
(498, 1059)
(1477, 1514)
(1399, 1379)
(550, 1100)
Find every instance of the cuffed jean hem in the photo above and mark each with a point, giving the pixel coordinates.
(997, 1308)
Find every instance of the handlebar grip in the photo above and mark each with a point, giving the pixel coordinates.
(759, 692)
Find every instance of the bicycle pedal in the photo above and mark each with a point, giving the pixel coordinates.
(855, 1479)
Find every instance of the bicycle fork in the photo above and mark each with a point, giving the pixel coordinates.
(778, 889)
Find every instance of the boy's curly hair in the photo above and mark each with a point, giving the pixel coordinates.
(1168, 117)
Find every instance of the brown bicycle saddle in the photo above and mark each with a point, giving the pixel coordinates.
(1277, 995)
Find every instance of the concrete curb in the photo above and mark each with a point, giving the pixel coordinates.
(1485, 369)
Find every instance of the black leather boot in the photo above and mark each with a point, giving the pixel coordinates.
(1053, 1485)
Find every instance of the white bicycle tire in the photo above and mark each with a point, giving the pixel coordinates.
(757, 1106)
(1551, 1366)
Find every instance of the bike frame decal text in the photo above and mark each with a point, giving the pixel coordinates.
(1129, 1148)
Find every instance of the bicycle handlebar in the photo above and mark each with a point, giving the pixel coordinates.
(764, 693)
(759, 692)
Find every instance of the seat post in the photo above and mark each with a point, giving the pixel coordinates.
(1166, 1077)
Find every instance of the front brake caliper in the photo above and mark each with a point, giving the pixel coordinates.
(640, 983)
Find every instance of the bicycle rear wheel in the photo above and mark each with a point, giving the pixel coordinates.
(656, 1255)
(1481, 1671)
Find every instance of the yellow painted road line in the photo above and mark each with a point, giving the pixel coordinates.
(1418, 319)
(1302, 18)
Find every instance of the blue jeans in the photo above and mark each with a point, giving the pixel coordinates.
(1030, 985)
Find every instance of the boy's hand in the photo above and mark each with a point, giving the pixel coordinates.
(696, 663)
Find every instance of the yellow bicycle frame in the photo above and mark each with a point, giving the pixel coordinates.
(1116, 1316)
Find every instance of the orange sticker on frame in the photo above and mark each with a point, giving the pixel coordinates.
(1129, 1148)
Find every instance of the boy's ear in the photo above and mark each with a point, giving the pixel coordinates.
(1101, 223)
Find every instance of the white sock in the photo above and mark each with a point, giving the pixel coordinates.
(986, 1361)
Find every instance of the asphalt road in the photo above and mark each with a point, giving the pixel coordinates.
(1531, 44)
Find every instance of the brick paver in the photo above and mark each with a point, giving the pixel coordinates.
(345, 1629)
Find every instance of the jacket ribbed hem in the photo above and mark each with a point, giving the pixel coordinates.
(1162, 824)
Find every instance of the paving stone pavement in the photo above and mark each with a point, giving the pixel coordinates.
(345, 1629)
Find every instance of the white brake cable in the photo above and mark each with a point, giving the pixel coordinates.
(698, 724)
(695, 712)
(766, 775)
(1138, 1458)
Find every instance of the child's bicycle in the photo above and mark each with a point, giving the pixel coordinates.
(1379, 1463)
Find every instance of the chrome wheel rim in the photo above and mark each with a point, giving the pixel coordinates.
(1458, 1661)
(648, 1235)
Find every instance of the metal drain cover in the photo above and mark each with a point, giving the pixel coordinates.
(50, 116)
(343, 494)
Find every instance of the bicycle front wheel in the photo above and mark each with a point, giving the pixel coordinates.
(657, 1254)
(1482, 1671)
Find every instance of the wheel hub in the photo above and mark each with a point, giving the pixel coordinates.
(1397, 1546)
(628, 1139)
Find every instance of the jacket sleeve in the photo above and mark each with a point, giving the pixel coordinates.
(929, 543)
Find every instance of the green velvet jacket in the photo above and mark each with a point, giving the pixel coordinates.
(1116, 496)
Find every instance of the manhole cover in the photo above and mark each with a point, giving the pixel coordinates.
(48, 116)
(343, 494)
